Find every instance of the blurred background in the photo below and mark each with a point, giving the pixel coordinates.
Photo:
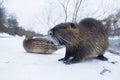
(21, 17)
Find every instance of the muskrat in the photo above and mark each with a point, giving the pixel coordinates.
(40, 45)
(84, 40)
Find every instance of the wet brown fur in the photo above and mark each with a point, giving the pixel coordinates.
(84, 40)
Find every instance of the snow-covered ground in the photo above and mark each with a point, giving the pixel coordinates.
(16, 64)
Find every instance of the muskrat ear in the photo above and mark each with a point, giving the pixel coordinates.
(72, 25)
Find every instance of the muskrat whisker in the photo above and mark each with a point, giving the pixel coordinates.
(59, 40)
(63, 39)
(56, 40)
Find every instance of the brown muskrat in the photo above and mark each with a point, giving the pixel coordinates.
(40, 45)
(84, 40)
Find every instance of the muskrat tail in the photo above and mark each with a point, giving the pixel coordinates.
(113, 51)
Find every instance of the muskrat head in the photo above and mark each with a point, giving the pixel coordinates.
(65, 33)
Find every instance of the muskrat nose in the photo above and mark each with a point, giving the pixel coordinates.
(50, 33)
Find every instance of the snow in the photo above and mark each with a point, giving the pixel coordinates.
(16, 64)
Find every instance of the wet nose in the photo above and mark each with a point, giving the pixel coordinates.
(50, 33)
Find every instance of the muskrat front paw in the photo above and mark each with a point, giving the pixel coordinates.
(62, 59)
(72, 61)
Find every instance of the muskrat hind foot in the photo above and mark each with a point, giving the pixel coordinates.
(101, 57)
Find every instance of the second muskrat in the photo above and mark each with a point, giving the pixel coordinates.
(41, 45)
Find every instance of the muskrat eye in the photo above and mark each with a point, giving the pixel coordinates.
(50, 32)
(72, 25)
